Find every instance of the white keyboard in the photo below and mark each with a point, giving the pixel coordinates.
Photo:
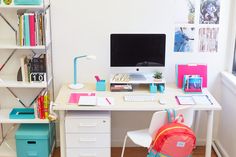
(140, 98)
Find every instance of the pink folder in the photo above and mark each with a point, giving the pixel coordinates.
(191, 69)
(74, 97)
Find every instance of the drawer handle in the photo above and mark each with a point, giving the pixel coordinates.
(87, 155)
(87, 125)
(87, 139)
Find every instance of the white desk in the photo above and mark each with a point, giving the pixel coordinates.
(61, 104)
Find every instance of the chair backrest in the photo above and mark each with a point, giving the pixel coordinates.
(160, 118)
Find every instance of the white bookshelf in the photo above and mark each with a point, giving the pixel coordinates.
(8, 76)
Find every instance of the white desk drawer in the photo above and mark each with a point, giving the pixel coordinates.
(80, 125)
(87, 152)
(87, 140)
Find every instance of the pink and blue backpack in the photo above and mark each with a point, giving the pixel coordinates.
(173, 139)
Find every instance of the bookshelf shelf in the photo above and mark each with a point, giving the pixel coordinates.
(10, 47)
(4, 118)
(20, 84)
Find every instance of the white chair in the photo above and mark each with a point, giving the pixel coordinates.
(144, 137)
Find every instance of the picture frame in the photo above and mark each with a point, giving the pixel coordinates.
(192, 83)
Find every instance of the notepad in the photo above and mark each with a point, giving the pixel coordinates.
(185, 100)
(193, 99)
(87, 101)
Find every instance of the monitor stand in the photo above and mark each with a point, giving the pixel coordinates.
(137, 77)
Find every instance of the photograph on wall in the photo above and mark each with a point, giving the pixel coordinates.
(184, 11)
(209, 12)
(208, 39)
(184, 39)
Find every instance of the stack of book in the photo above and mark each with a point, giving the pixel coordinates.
(192, 83)
(30, 66)
(42, 106)
(31, 29)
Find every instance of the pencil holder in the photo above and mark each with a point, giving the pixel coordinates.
(161, 88)
(101, 85)
(153, 88)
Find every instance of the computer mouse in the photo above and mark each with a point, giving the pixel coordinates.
(162, 101)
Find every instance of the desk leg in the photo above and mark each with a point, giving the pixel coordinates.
(210, 115)
(62, 133)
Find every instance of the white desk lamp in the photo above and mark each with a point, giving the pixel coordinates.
(76, 85)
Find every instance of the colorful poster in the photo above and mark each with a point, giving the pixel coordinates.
(184, 11)
(208, 39)
(184, 39)
(209, 12)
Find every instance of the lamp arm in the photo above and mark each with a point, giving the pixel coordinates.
(75, 67)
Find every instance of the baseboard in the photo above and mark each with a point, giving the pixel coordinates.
(221, 149)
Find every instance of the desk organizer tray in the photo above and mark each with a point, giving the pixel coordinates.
(22, 113)
(28, 2)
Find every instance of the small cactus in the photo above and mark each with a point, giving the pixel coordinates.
(157, 75)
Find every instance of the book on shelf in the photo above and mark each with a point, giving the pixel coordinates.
(24, 68)
(31, 29)
(42, 105)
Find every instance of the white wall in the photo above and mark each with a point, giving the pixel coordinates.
(226, 133)
(83, 27)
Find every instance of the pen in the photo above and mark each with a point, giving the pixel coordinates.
(108, 101)
(97, 77)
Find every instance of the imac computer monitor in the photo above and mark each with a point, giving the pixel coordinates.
(136, 52)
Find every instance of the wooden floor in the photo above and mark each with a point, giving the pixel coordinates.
(141, 152)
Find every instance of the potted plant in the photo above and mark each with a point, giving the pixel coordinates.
(157, 76)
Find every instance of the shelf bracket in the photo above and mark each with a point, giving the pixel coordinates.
(21, 102)
(7, 59)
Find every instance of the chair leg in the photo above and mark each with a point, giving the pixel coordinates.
(123, 149)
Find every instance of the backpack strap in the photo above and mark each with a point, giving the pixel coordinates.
(171, 113)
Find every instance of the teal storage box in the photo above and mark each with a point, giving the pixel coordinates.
(33, 140)
(22, 113)
(28, 2)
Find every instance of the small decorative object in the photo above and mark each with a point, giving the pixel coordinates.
(75, 84)
(157, 76)
(7, 2)
(37, 77)
(153, 88)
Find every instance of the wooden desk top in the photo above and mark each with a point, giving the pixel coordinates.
(171, 91)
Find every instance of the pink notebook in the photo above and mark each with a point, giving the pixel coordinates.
(74, 97)
(32, 30)
(191, 69)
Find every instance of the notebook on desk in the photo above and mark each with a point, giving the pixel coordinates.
(85, 98)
